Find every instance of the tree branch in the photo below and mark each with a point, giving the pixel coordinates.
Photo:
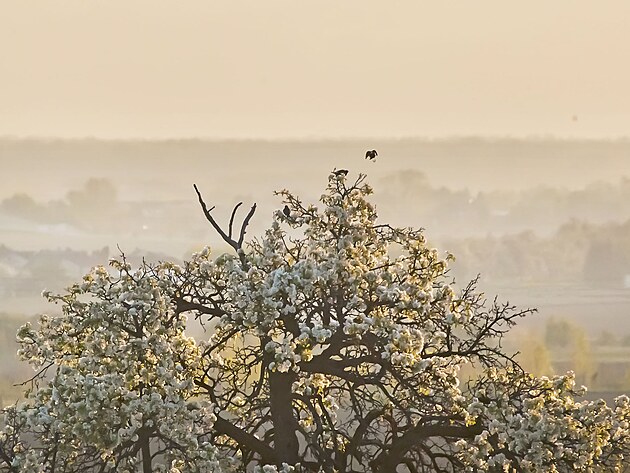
(237, 245)
(392, 457)
(211, 219)
(245, 440)
(232, 218)
(245, 223)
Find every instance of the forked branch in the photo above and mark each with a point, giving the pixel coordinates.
(227, 237)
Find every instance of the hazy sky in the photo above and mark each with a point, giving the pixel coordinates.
(127, 68)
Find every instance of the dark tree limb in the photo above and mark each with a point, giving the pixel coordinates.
(232, 218)
(281, 402)
(391, 458)
(245, 440)
(227, 237)
(359, 433)
(249, 216)
(185, 306)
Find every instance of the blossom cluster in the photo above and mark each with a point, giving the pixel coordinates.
(535, 424)
(123, 375)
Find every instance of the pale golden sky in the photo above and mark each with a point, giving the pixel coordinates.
(156, 69)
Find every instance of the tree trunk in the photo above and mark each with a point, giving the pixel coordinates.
(146, 452)
(284, 424)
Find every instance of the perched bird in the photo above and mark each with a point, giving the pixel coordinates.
(371, 155)
(340, 172)
(286, 211)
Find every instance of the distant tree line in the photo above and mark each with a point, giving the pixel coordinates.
(543, 209)
(576, 252)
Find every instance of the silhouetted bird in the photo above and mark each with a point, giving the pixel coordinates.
(341, 172)
(286, 211)
(371, 155)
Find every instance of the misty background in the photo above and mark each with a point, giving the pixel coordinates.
(545, 222)
(502, 129)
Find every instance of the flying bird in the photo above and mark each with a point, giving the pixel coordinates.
(286, 211)
(371, 155)
(340, 172)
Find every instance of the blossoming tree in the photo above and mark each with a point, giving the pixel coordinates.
(335, 345)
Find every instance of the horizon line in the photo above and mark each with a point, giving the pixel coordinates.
(533, 137)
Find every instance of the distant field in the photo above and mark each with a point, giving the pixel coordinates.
(594, 309)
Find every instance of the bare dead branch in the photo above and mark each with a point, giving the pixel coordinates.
(237, 245)
(209, 217)
(245, 223)
(232, 218)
